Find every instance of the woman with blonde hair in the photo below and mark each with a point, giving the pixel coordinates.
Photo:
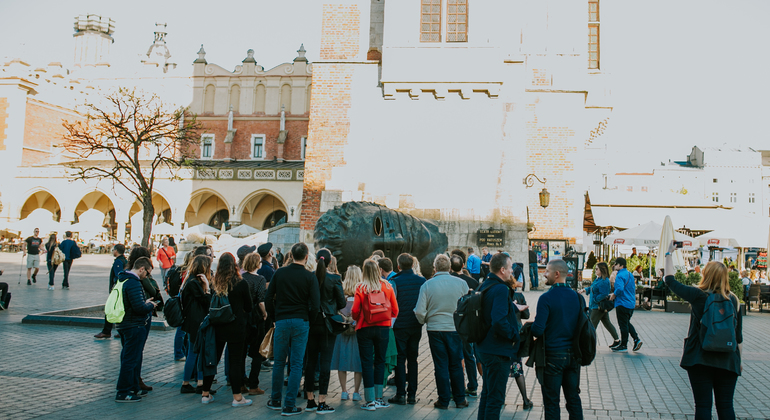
(710, 372)
(372, 331)
(228, 283)
(345, 357)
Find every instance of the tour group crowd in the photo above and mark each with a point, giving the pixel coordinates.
(309, 319)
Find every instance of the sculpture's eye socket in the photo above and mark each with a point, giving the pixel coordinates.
(378, 226)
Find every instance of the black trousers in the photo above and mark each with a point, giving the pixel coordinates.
(67, 266)
(707, 381)
(624, 322)
(319, 346)
(236, 365)
(5, 297)
(254, 337)
(408, 346)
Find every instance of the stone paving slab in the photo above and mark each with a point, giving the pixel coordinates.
(61, 372)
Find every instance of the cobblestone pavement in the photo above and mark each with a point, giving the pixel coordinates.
(55, 372)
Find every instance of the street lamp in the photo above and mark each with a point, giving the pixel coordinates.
(545, 196)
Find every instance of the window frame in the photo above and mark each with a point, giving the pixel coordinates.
(752, 198)
(252, 144)
(594, 23)
(715, 197)
(456, 22)
(440, 14)
(213, 145)
(303, 147)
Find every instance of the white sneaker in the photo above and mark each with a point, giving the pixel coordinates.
(50, 287)
(380, 403)
(207, 400)
(345, 396)
(356, 396)
(370, 406)
(244, 402)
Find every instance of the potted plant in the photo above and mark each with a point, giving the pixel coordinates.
(736, 286)
(676, 304)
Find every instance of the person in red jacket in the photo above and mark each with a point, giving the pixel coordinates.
(373, 336)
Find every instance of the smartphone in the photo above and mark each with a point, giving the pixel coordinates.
(678, 244)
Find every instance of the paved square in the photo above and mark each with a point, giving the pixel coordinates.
(54, 372)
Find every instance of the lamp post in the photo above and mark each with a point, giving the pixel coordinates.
(545, 196)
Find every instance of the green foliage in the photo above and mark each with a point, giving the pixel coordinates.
(591, 261)
(693, 279)
(736, 285)
(642, 260)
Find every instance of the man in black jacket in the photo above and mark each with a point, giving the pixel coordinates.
(406, 330)
(133, 331)
(118, 264)
(293, 300)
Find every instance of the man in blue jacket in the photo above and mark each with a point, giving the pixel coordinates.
(558, 310)
(66, 247)
(497, 349)
(406, 330)
(625, 302)
(474, 264)
(133, 331)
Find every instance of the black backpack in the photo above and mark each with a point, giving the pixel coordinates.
(717, 325)
(173, 280)
(220, 311)
(584, 341)
(469, 318)
(173, 311)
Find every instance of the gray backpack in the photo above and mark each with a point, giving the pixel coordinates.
(717, 325)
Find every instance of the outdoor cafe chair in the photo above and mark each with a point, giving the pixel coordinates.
(754, 296)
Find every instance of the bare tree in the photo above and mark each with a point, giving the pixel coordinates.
(139, 136)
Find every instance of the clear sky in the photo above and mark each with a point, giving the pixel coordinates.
(684, 72)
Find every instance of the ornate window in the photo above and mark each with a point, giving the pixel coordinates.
(593, 34)
(207, 146)
(258, 146)
(430, 21)
(457, 21)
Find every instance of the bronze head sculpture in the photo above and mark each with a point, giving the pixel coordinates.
(355, 229)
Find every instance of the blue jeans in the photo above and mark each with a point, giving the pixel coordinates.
(562, 373)
(132, 340)
(469, 355)
(408, 345)
(52, 273)
(496, 369)
(705, 381)
(189, 366)
(179, 344)
(372, 345)
(288, 333)
(533, 274)
(446, 348)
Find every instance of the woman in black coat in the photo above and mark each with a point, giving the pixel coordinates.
(196, 299)
(228, 283)
(710, 372)
(320, 342)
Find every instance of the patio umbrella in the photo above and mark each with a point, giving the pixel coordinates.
(666, 236)
(717, 239)
(648, 234)
(242, 231)
(202, 229)
(165, 229)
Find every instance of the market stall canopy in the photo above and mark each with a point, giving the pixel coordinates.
(90, 221)
(242, 231)
(165, 229)
(717, 239)
(202, 229)
(647, 234)
(41, 219)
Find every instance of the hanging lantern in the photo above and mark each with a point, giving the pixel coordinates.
(545, 198)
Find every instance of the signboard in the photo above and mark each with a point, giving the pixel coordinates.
(620, 241)
(714, 242)
(762, 259)
(492, 238)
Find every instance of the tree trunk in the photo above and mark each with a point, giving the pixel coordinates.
(149, 212)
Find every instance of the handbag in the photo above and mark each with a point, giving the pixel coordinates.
(335, 323)
(606, 304)
(266, 347)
